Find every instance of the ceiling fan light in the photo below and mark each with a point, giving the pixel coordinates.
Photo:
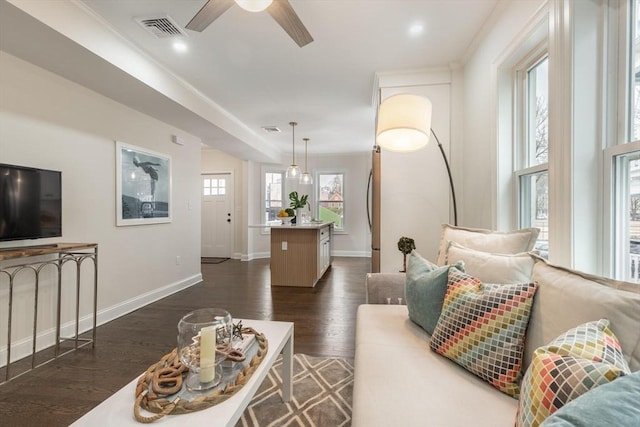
(254, 5)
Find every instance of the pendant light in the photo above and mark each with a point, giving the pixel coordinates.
(293, 171)
(305, 178)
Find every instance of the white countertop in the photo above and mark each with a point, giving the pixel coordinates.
(306, 226)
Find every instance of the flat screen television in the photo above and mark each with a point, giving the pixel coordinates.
(30, 203)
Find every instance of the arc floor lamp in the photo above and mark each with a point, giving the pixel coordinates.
(404, 125)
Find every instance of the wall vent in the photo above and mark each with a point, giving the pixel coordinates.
(270, 129)
(161, 26)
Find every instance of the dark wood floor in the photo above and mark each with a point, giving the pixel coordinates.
(60, 392)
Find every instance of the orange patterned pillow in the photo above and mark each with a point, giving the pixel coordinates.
(574, 363)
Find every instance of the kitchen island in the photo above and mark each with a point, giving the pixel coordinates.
(300, 253)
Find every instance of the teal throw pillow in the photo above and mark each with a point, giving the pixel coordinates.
(426, 285)
(613, 404)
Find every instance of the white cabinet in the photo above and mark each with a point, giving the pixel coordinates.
(324, 250)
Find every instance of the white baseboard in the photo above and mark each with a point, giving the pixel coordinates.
(348, 254)
(45, 339)
(139, 301)
(255, 255)
(352, 254)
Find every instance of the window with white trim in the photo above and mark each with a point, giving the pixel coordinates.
(626, 217)
(273, 189)
(624, 158)
(331, 201)
(632, 43)
(532, 145)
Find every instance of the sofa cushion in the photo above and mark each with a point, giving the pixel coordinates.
(617, 400)
(482, 328)
(499, 242)
(399, 382)
(384, 288)
(566, 298)
(574, 363)
(490, 267)
(425, 289)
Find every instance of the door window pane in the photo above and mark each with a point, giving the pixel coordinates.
(214, 187)
(206, 186)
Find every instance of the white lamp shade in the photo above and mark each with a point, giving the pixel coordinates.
(404, 122)
(254, 5)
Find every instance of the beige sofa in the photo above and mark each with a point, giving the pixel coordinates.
(399, 381)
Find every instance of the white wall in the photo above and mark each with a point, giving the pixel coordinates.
(478, 158)
(49, 122)
(355, 241)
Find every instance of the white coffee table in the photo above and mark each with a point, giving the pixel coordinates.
(118, 409)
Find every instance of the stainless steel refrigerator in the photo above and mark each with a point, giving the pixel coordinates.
(373, 208)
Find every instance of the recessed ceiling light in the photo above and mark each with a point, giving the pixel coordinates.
(180, 46)
(416, 29)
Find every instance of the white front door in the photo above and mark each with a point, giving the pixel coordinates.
(217, 222)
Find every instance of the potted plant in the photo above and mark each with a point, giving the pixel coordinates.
(297, 202)
(405, 245)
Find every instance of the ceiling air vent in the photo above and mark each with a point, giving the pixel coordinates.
(161, 26)
(270, 129)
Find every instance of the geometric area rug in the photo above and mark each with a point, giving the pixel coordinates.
(322, 395)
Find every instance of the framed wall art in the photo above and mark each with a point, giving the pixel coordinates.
(143, 186)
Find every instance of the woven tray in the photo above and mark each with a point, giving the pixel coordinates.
(184, 401)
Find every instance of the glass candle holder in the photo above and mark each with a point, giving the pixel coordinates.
(199, 333)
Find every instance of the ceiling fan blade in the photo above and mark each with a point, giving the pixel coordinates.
(284, 15)
(211, 11)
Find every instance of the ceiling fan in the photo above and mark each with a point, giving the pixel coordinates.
(280, 10)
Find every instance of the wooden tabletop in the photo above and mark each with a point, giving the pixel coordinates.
(28, 251)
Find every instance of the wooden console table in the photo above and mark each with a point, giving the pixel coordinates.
(61, 254)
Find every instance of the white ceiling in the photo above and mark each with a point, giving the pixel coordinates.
(246, 64)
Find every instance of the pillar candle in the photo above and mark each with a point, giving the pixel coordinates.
(207, 354)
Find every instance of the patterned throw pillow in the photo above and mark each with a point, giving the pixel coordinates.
(482, 328)
(571, 365)
(426, 285)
